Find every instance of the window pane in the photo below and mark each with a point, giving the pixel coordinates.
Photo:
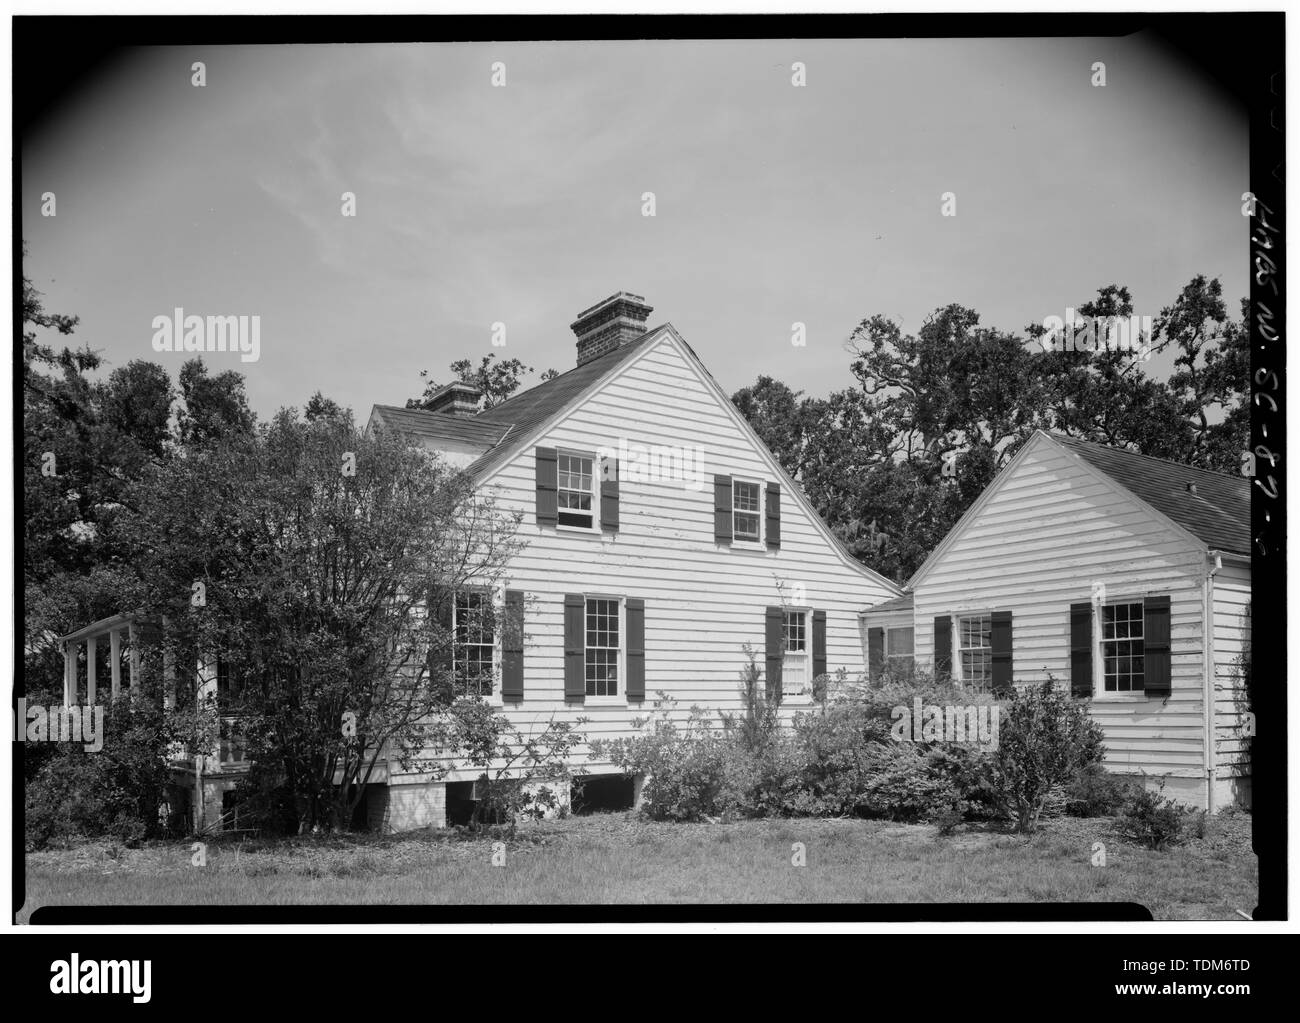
(900, 642)
(795, 633)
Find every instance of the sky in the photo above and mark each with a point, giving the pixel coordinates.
(522, 204)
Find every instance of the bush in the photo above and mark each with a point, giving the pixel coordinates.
(1045, 737)
(1095, 792)
(907, 785)
(1157, 822)
(116, 792)
(685, 769)
(758, 721)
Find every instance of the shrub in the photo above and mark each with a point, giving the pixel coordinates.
(522, 771)
(907, 785)
(116, 792)
(684, 766)
(1096, 792)
(1157, 822)
(1045, 737)
(833, 754)
(758, 720)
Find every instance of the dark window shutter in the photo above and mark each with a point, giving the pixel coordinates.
(547, 484)
(575, 646)
(1000, 641)
(609, 496)
(1156, 646)
(512, 647)
(635, 648)
(875, 653)
(722, 509)
(819, 643)
(774, 514)
(774, 648)
(1081, 649)
(442, 648)
(942, 645)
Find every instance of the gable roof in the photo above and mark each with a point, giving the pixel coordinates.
(528, 410)
(515, 418)
(524, 415)
(441, 426)
(1217, 515)
(1216, 511)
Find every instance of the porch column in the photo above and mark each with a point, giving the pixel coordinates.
(133, 634)
(90, 670)
(69, 673)
(115, 661)
(169, 670)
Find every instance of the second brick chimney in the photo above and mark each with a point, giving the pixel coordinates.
(610, 324)
(458, 399)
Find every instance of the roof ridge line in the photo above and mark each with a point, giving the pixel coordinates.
(1140, 454)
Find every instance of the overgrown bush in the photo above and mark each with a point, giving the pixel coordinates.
(1096, 792)
(1045, 737)
(757, 722)
(1157, 822)
(116, 792)
(906, 786)
(522, 772)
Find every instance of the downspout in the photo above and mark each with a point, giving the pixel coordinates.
(1207, 630)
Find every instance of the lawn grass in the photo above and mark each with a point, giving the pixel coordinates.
(618, 858)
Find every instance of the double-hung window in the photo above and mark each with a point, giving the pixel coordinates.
(603, 647)
(796, 656)
(1122, 648)
(975, 648)
(474, 641)
(746, 505)
(574, 489)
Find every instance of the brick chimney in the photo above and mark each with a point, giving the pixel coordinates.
(609, 324)
(458, 399)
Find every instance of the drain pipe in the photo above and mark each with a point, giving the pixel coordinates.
(1207, 630)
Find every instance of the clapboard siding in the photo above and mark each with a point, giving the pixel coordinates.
(703, 601)
(1231, 627)
(1049, 529)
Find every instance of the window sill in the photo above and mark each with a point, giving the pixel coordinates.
(747, 545)
(1119, 697)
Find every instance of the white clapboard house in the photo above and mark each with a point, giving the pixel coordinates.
(1126, 578)
(662, 537)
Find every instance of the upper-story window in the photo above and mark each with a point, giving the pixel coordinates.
(575, 478)
(1122, 648)
(746, 503)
